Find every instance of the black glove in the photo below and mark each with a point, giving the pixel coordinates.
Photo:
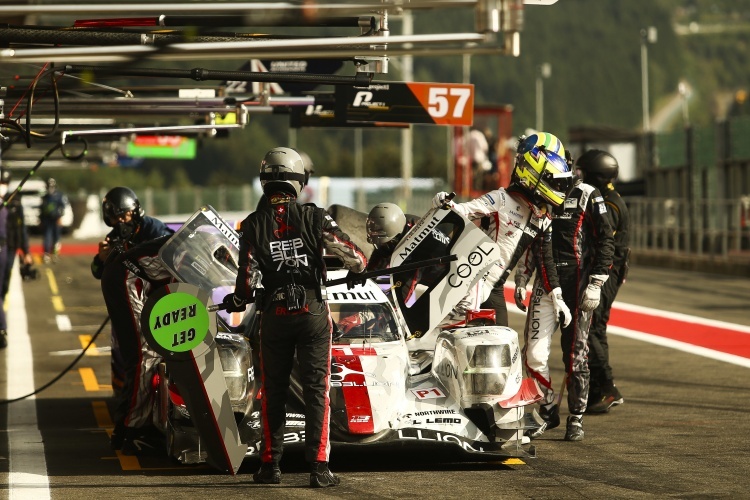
(354, 279)
(232, 303)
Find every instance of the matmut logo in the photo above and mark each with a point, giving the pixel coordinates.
(363, 99)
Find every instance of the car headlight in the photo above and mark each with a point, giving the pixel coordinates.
(487, 370)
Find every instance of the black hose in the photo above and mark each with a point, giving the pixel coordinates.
(62, 373)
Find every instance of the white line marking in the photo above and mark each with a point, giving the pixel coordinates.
(27, 477)
(680, 346)
(76, 352)
(681, 317)
(63, 323)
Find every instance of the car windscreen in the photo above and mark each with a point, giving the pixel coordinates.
(370, 322)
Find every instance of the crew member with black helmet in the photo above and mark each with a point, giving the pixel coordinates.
(516, 216)
(281, 245)
(128, 265)
(122, 211)
(599, 169)
(386, 224)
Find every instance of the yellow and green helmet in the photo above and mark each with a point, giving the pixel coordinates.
(542, 170)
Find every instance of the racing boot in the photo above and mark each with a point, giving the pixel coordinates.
(574, 431)
(609, 398)
(549, 415)
(321, 476)
(269, 473)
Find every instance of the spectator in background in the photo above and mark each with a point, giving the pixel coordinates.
(17, 236)
(51, 211)
(478, 153)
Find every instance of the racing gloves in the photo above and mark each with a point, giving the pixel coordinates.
(558, 304)
(354, 279)
(593, 292)
(232, 303)
(442, 200)
(520, 293)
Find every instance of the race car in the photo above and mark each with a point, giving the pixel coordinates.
(465, 389)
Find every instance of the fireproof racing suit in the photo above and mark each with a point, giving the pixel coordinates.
(127, 280)
(513, 222)
(583, 246)
(601, 371)
(284, 242)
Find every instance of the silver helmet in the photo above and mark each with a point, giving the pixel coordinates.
(282, 169)
(385, 222)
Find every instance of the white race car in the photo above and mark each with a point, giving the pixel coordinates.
(466, 389)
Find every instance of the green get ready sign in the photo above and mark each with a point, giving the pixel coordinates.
(179, 322)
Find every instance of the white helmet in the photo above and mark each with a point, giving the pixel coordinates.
(282, 169)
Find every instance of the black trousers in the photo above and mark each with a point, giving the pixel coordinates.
(601, 371)
(308, 333)
(496, 301)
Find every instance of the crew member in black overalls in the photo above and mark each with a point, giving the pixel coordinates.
(600, 169)
(128, 265)
(283, 242)
(3, 261)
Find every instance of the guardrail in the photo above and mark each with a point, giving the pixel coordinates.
(711, 228)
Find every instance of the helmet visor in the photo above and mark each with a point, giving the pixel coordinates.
(556, 180)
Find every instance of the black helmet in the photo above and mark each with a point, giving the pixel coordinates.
(118, 201)
(282, 169)
(598, 167)
(4, 176)
(385, 223)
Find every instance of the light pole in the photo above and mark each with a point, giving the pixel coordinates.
(544, 70)
(648, 35)
(684, 91)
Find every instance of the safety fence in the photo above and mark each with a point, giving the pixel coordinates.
(706, 227)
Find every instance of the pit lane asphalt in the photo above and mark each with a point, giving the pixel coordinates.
(682, 432)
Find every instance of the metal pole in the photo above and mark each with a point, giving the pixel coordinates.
(539, 102)
(467, 182)
(644, 80)
(407, 135)
(359, 170)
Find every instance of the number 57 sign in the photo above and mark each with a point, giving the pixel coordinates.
(407, 102)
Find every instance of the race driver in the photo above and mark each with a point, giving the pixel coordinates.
(516, 215)
(283, 242)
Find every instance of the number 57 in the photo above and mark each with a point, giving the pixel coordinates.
(439, 104)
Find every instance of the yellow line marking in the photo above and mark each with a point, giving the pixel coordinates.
(57, 303)
(85, 339)
(52, 281)
(89, 381)
(513, 461)
(101, 414)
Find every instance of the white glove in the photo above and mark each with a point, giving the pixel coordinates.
(520, 293)
(593, 292)
(439, 200)
(561, 309)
